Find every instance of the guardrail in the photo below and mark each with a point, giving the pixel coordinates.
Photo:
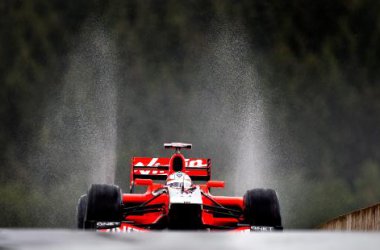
(366, 219)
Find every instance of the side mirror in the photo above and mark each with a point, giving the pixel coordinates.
(143, 182)
(215, 184)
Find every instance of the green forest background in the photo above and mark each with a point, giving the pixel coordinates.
(85, 85)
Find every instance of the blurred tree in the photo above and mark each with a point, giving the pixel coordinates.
(318, 62)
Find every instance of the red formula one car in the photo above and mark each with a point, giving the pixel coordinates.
(174, 201)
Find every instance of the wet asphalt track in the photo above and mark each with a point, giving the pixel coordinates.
(66, 239)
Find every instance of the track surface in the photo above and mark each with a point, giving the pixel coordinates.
(66, 239)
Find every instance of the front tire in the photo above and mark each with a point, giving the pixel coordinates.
(262, 208)
(81, 211)
(104, 204)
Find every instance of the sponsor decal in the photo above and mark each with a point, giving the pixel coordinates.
(152, 163)
(262, 229)
(156, 162)
(123, 229)
(149, 172)
(195, 163)
(105, 225)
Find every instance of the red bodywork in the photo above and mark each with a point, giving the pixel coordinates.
(149, 210)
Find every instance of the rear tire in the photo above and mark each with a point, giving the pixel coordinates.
(262, 208)
(81, 211)
(104, 204)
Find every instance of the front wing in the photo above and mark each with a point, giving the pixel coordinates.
(149, 211)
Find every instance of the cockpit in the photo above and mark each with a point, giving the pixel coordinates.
(179, 180)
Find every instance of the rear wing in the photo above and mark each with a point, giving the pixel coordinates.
(158, 168)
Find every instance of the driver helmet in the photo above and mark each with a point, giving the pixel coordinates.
(178, 180)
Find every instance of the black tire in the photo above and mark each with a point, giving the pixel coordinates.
(262, 208)
(81, 211)
(104, 204)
